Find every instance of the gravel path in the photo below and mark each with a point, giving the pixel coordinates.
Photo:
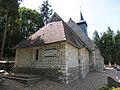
(93, 81)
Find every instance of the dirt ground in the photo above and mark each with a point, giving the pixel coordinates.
(93, 81)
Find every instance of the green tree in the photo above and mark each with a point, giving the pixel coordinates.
(107, 40)
(117, 47)
(16, 25)
(96, 38)
(106, 43)
(30, 21)
(46, 11)
(9, 14)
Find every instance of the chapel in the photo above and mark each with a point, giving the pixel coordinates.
(59, 51)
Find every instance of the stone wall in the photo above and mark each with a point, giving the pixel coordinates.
(98, 60)
(71, 56)
(59, 61)
(51, 60)
(25, 57)
(75, 68)
(84, 62)
(71, 70)
(72, 62)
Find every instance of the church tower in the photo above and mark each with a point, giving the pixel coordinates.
(82, 23)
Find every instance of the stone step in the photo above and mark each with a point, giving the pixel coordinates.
(26, 76)
(27, 81)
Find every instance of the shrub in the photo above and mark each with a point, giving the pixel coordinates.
(104, 88)
(108, 88)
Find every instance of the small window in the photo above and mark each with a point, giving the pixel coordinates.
(36, 54)
(52, 52)
(79, 61)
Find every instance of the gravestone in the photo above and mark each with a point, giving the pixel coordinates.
(109, 65)
(115, 65)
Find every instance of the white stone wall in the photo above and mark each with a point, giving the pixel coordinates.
(71, 56)
(25, 57)
(65, 60)
(70, 70)
(84, 62)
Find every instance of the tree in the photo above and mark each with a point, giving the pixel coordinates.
(45, 11)
(96, 38)
(30, 21)
(117, 47)
(9, 11)
(106, 44)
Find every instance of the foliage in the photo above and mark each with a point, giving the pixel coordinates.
(11, 7)
(104, 88)
(30, 21)
(117, 47)
(46, 11)
(108, 88)
(23, 24)
(109, 44)
(96, 37)
(116, 88)
(8, 15)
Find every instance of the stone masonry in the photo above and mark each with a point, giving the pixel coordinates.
(65, 62)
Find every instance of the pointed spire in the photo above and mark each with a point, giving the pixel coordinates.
(81, 16)
(82, 23)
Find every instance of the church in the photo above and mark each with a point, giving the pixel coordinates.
(59, 51)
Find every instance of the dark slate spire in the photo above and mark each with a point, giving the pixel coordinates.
(81, 16)
(82, 23)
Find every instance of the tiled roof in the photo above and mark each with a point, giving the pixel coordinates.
(50, 33)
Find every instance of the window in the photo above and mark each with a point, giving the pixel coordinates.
(52, 52)
(36, 54)
(79, 61)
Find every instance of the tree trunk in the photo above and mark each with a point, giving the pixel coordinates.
(4, 36)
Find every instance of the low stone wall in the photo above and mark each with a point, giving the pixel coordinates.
(112, 82)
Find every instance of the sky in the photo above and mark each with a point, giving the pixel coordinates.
(99, 14)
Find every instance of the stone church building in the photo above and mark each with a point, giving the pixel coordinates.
(59, 51)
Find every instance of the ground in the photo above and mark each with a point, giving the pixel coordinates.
(93, 81)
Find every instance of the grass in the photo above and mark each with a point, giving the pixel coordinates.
(108, 88)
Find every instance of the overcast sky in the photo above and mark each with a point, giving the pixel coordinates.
(99, 14)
